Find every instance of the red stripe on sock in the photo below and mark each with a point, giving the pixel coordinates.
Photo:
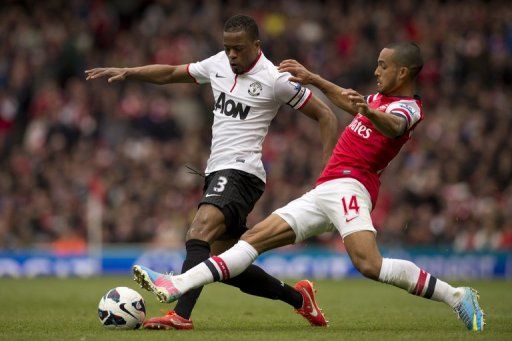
(422, 278)
(223, 267)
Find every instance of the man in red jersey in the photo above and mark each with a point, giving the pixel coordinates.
(347, 190)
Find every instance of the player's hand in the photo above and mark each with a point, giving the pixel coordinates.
(299, 73)
(357, 100)
(113, 73)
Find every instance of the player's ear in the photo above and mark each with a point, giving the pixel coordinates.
(403, 73)
(257, 43)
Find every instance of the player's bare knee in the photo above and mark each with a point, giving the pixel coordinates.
(250, 234)
(204, 231)
(256, 236)
(367, 267)
(202, 218)
(195, 233)
(207, 225)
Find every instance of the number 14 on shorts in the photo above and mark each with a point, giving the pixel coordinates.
(350, 207)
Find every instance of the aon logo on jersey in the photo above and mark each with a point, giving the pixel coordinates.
(360, 129)
(231, 108)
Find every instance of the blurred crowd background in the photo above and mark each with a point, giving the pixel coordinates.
(75, 154)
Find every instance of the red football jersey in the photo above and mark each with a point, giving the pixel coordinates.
(362, 152)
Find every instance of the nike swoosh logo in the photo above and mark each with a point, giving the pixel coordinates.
(212, 195)
(219, 76)
(314, 312)
(121, 306)
(179, 323)
(349, 220)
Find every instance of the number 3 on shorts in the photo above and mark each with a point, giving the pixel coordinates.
(352, 205)
(221, 184)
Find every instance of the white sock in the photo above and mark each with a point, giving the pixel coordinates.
(198, 276)
(229, 264)
(408, 276)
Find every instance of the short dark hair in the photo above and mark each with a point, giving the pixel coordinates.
(242, 22)
(408, 54)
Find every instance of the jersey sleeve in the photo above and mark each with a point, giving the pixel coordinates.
(291, 93)
(201, 71)
(409, 110)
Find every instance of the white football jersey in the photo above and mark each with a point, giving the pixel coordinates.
(244, 107)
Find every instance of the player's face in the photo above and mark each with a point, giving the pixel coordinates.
(388, 73)
(241, 50)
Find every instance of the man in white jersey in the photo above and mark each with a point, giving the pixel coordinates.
(347, 191)
(248, 90)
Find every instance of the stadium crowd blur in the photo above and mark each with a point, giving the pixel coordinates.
(75, 153)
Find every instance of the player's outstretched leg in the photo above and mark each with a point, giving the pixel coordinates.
(233, 263)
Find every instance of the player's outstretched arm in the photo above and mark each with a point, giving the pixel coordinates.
(304, 76)
(320, 112)
(157, 74)
(388, 124)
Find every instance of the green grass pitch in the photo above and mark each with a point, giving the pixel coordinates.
(359, 309)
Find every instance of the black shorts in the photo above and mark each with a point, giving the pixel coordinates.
(234, 192)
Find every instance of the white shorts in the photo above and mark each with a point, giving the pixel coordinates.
(340, 204)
